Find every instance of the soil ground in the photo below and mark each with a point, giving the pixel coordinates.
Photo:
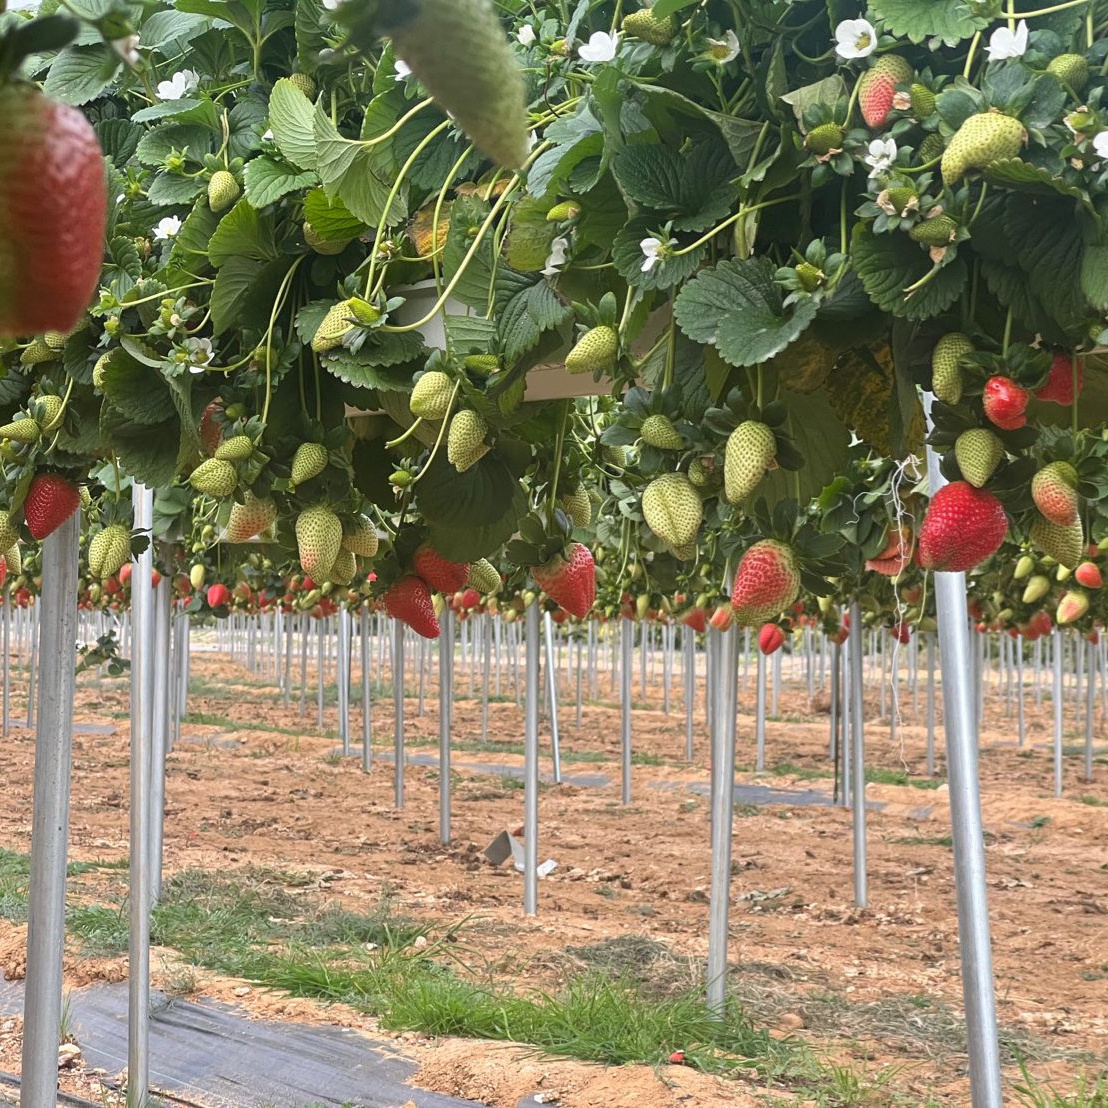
(254, 786)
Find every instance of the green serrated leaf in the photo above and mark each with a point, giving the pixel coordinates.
(889, 264)
(330, 218)
(737, 307)
(243, 232)
(1021, 176)
(950, 21)
(525, 309)
(291, 117)
(266, 180)
(137, 391)
(80, 73)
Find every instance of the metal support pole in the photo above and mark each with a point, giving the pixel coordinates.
(398, 705)
(446, 712)
(552, 693)
(1090, 704)
(50, 820)
(858, 761)
(760, 715)
(367, 698)
(142, 642)
(930, 704)
(967, 830)
(723, 802)
(163, 603)
(689, 637)
(531, 766)
(627, 645)
(1058, 696)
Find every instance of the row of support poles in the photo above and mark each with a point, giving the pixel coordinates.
(50, 819)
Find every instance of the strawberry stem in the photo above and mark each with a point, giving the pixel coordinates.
(442, 431)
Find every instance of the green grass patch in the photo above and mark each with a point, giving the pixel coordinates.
(1086, 1092)
(874, 775)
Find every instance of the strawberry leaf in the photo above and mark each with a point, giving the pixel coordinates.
(951, 21)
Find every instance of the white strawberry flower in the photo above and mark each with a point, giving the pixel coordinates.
(127, 48)
(1004, 43)
(526, 36)
(601, 47)
(855, 38)
(557, 257)
(1100, 144)
(882, 154)
(200, 354)
(724, 50)
(653, 251)
(167, 228)
(179, 85)
(402, 70)
(333, 5)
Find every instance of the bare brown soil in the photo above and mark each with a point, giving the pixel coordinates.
(877, 988)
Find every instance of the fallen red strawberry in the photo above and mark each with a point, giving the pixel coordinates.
(53, 213)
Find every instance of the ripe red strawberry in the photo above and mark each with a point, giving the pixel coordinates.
(442, 575)
(53, 213)
(1005, 403)
(877, 87)
(1087, 574)
(218, 596)
(963, 526)
(896, 555)
(766, 583)
(1053, 488)
(1059, 385)
(409, 601)
(770, 638)
(570, 583)
(902, 632)
(51, 500)
(697, 619)
(723, 618)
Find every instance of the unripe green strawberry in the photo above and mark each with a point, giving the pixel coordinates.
(809, 276)
(979, 452)
(825, 138)
(360, 537)
(38, 353)
(309, 461)
(318, 541)
(563, 211)
(1023, 567)
(1071, 608)
(686, 553)
(931, 148)
(56, 340)
(767, 581)
(249, 519)
(901, 198)
(430, 398)
(1065, 544)
(657, 430)
(946, 375)
(1036, 588)
(223, 190)
(465, 441)
(939, 230)
(13, 556)
(983, 139)
(923, 100)
(1071, 70)
(484, 577)
(877, 86)
(344, 568)
(750, 449)
(9, 536)
(595, 351)
(482, 365)
(197, 575)
(1054, 490)
(235, 449)
(100, 369)
(700, 475)
(578, 506)
(22, 430)
(336, 325)
(326, 247)
(52, 215)
(482, 87)
(645, 25)
(108, 549)
(48, 410)
(304, 83)
(214, 477)
(672, 509)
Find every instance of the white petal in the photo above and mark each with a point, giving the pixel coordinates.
(526, 36)
(601, 47)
